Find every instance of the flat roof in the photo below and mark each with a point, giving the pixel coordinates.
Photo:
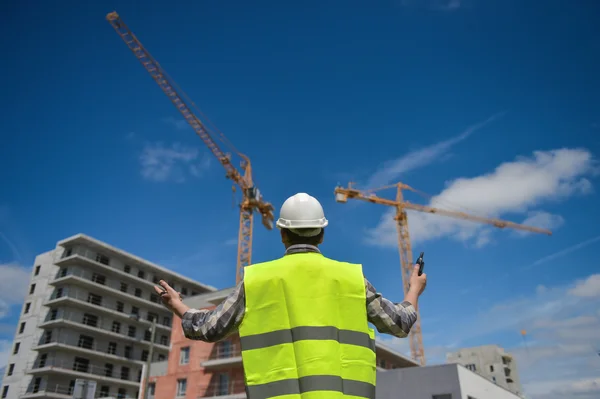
(94, 243)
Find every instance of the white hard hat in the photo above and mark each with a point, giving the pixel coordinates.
(303, 215)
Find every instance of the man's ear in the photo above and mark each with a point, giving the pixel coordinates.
(322, 235)
(283, 236)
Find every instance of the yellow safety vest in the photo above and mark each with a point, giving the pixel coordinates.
(305, 332)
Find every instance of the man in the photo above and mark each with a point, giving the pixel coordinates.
(303, 318)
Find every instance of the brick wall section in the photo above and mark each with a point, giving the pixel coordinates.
(203, 382)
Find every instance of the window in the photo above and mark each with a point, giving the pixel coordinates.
(122, 393)
(471, 367)
(27, 307)
(68, 252)
(154, 298)
(22, 328)
(16, 348)
(491, 368)
(494, 379)
(152, 316)
(161, 358)
(123, 287)
(81, 364)
(184, 355)
(112, 348)
(63, 272)
(151, 388)
(194, 293)
(135, 310)
(47, 337)
(223, 385)
(131, 331)
(141, 274)
(120, 306)
(37, 270)
(4, 391)
(167, 321)
(116, 327)
(138, 292)
(172, 284)
(108, 370)
(147, 335)
(382, 363)
(94, 299)
(90, 320)
(104, 391)
(139, 376)
(127, 269)
(164, 340)
(53, 314)
(124, 373)
(31, 289)
(36, 385)
(184, 291)
(181, 387)
(42, 361)
(11, 368)
(86, 342)
(58, 293)
(99, 279)
(128, 352)
(155, 279)
(144, 356)
(443, 396)
(102, 259)
(71, 387)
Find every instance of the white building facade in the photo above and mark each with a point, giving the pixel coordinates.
(491, 362)
(88, 315)
(447, 381)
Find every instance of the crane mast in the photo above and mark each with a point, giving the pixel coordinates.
(251, 198)
(342, 194)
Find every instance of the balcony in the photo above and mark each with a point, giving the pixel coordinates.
(61, 391)
(234, 389)
(224, 354)
(82, 300)
(75, 369)
(89, 258)
(81, 323)
(87, 279)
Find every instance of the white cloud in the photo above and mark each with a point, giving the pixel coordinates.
(13, 286)
(541, 219)
(175, 163)
(390, 171)
(558, 357)
(177, 123)
(513, 187)
(588, 288)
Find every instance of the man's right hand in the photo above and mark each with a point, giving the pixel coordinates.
(418, 283)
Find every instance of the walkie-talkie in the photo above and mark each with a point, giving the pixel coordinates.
(421, 263)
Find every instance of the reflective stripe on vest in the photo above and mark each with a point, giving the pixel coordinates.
(305, 329)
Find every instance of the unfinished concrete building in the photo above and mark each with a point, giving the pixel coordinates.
(491, 362)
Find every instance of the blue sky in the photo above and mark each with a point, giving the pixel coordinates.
(492, 107)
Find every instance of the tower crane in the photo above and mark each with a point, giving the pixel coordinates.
(342, 194)
(252, 200)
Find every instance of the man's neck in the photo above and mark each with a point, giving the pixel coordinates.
(301, 248)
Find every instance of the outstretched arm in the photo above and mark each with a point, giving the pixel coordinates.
(208, 325)
(389, 318)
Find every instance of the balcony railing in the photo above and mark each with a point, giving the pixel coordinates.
(67, 390)
(83, 367)
(225, 352)
(88, 323)
(217, 388)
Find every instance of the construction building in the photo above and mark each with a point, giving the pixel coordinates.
(197, 369)
(446, 381)
(87, 315)
(491, 362)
